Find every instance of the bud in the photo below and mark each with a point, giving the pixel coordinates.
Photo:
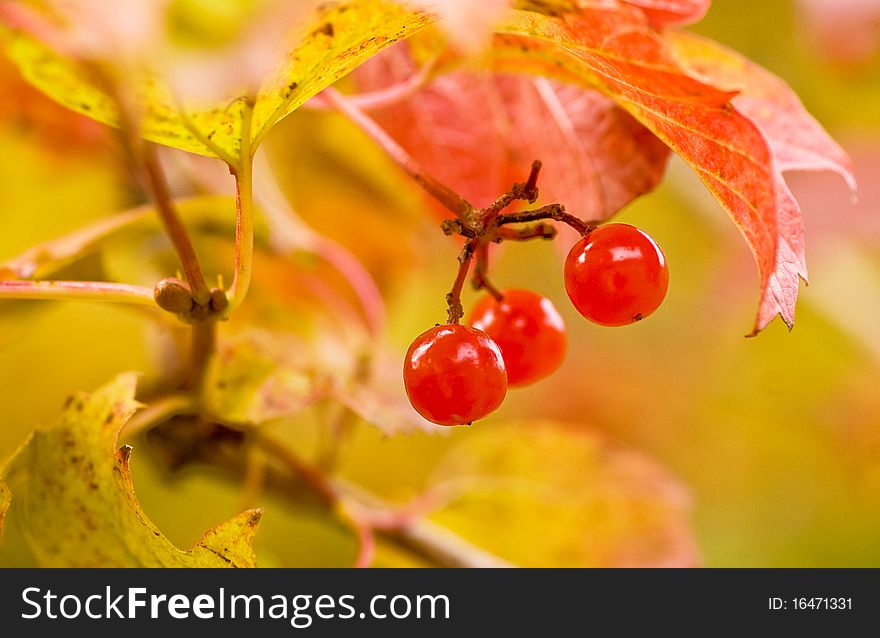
(173, 295)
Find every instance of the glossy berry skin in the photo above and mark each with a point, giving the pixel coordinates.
(454, 375)
(616, 275)
(528, 329)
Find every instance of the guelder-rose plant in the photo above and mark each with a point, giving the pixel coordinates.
(520, 120)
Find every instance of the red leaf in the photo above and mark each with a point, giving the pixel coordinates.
(797, 142)
(672, 12)
(624, 58)
(479, 132)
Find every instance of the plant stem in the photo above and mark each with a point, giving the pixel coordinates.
(158, 411)
(456, 204)
(538, 231)
(441, 546)
(481, 272)
(174, 226)
(204, 339)
(290, 232)
(556, 212)
(383, 97)
(453, 297)
(244, 215)
(356, 508)
(78, 291)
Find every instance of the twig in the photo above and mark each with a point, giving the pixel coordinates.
(538, 231)
(556, 212)
(174, 226)
(481, 277)
(357, 509)
(453, 297)
(158, 411)
(77, 291)
(456, 204)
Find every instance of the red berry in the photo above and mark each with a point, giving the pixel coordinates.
(616, 275)
(454, 375)
(528, 329)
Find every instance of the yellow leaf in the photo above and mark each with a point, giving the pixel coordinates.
(563, 496)
(74, 502)
(259, 377)
(337, 38)
(5, 499)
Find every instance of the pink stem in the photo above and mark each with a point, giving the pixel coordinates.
(77, 290)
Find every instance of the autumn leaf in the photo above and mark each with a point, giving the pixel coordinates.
(672, 12)
(73, 498)
(609, 507)
(796, 140)
(335, 38)
(5, 500)
(258, 377)
(613, 49)
(479, 132)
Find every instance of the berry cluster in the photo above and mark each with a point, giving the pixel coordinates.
(615, 275)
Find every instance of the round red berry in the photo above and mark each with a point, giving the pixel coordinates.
(529, 331)
(615, 275)
(454, 375)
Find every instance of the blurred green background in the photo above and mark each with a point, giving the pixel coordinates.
(776, 437)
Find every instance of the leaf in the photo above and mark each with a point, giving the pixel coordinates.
(480, 132)
(336, 38)
(613, 49)
(258, 377)
(564, 497)
(5, 500)
(74, 500)
(467, 24)
(672, 12)
(797, 142)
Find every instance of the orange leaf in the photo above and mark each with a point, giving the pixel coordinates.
(614, 49)
(480, 131)
(796, 140)
(672, 12)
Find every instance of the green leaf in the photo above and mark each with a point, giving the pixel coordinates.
(74, 502)
(564, 497)
(336, 38)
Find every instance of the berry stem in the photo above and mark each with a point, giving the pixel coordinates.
(78, 291)
(481, 278)
(556, 212)
(538, 231)
(530, 189)
(456, 204)
(527, 191)
(453, 297)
